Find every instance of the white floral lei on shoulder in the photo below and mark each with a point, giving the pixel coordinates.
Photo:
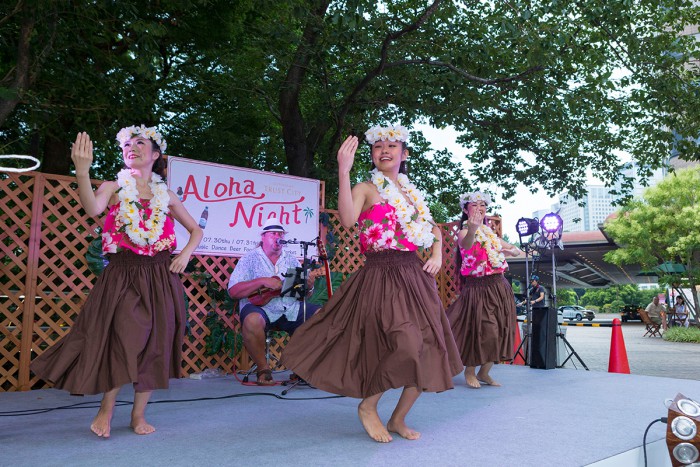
(491, 243)
(131, 211)
(415, 219)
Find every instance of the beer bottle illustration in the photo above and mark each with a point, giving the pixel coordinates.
(179, 192)
(203, 218)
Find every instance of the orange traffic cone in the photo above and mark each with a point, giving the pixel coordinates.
(518, 359)
(618, 354)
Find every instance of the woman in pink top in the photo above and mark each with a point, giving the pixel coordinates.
(385, 327)
(131, 326)
(483, 318)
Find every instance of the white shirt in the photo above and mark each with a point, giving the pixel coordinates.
(255, 264)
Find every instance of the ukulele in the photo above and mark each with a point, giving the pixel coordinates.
(263, 295)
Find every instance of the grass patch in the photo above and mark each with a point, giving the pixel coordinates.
(680, 334)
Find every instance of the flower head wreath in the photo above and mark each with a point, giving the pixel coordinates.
(473, 198)
(388, 133)
(125, 134)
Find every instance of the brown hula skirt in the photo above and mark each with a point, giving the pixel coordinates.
(483, 320)
(130, 330)
(384, 328)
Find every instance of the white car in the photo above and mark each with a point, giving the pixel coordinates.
(575, 312)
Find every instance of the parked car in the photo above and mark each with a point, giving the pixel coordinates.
(575, 312)
(629, 313)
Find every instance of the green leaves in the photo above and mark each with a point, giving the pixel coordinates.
(662, 227)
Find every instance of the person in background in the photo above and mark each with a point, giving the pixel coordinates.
(681, 312)
(261, 271)
(657, 312)
(483, 318)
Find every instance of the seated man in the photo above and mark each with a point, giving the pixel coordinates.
(262, 268)
(657, 312)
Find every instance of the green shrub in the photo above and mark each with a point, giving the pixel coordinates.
(680, 334)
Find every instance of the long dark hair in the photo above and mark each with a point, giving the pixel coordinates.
(403, 169)
(458, 250)
(158, 164)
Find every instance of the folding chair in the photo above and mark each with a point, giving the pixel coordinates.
(652, 329)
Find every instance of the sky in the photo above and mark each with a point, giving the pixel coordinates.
(522, 205)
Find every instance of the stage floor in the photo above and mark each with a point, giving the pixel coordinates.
(556, 417)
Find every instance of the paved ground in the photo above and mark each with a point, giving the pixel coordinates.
(650, 356)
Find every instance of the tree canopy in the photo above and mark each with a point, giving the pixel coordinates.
(541, 91)
(662, 229)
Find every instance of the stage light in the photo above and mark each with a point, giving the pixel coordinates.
(682, 438)
(552, 223)
(526, 226)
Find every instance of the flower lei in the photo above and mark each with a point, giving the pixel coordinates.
(415, 219)
(125, 134)
(490, 242)
(132, 213)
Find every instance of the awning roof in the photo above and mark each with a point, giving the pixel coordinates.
(581, 265)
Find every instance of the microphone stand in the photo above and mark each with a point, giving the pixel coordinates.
(301, 289)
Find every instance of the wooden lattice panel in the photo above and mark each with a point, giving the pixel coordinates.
(15, 215)
(45, 236)
(63, 278)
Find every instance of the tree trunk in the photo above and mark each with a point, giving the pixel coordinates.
(56, 156)
(299, 155)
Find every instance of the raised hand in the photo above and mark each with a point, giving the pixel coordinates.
(475, 220)
(346, 154)
(81, 154)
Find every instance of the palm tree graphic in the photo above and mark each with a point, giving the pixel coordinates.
(308, 212)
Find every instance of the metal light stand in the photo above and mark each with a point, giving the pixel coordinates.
(528, 311)
(299, 288)
(559, 334)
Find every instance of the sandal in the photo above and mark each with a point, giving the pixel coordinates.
(264, 377)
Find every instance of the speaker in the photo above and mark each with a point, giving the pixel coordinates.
(544, 339)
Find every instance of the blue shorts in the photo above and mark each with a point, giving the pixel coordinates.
(282, 324)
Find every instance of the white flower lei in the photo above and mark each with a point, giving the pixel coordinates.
(131, 212)
(415, 219)
(492, 244)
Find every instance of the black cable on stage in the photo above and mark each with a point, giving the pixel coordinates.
(644, 441)
(96, 404)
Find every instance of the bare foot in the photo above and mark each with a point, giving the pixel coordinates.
(488, 380)
(101, 425)
(401, 429)
(472, 381)
(141, 427)
(372, 424)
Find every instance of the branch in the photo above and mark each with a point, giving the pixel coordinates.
(15, 10)
(388, 40)
(438, 63)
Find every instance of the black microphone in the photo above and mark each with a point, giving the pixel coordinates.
(286, 242)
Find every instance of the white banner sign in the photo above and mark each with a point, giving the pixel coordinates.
(231, 204)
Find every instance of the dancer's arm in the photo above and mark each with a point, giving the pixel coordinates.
(177, 209)
(350, 200)
(508, 249)
(93, 202)
(466, 236)
(434, 263)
